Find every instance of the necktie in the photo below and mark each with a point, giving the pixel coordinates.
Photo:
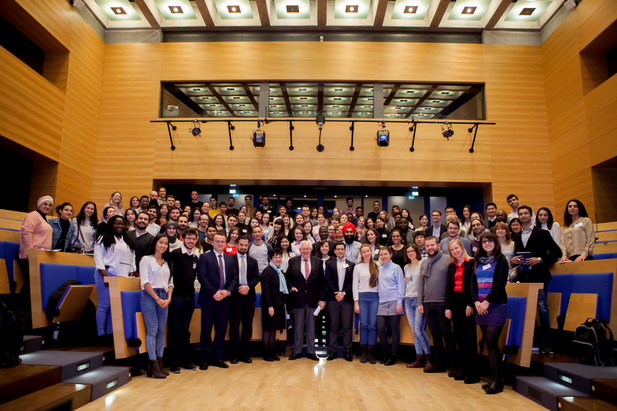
(221, 273)
(243, 271)
(307, 271)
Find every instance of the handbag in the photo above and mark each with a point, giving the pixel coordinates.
(76, 249)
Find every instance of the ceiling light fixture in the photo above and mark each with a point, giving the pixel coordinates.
(118, 11)
(383, 136)
(259, 136)
(293, 9)
(234, 9)
(196, 129)
(351, 9)
(410, 9)
(446, 130)
(527, 11)
(469, 10)
(176, 10)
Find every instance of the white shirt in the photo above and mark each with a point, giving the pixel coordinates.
(555, 231)
(436, 230)
(153, 229)
(361, 279)
(525, 235)
(118, 260)
(285, 262)
(151, 272)
(242, 273)
(341, 267)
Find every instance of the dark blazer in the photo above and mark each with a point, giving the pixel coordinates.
(311, 290)
(141, 244)
(540, 244)
(208, 275)
(270, 294)
(468, 268)
(332, 284)
(252, 278)
(489, 224)
(497, 295)
(442, 229)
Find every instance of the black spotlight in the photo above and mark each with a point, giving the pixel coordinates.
(383, 136)
(446, 130)
(196, 129)
(259, 136)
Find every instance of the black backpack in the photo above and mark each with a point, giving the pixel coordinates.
(11, 337)
(591, 344)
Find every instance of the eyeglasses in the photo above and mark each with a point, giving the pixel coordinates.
(486, 241)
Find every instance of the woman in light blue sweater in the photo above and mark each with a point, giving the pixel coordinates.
(391, 294)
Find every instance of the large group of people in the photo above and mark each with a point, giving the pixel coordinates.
(450, 275)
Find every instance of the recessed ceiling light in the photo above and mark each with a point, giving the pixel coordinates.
(118, 11)
(303, 98)
(293, 9)
(527, 11)
(231, 89)
(410, 9)
(176, 10)
(233, 9)
(469, 10)
(445, 92)
(196, 89)
(212, 105)
(301, 89)
(338, 98)
(241, 105)
(410, 91)
(304, 105)
(236, 98)
(403, 101)
(370, 98)
(338, 89)
(351, 9)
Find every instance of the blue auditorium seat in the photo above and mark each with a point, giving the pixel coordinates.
(561, 283)
(8, 252)
(52, 277)
(516, 314)
(130, 306)
(596, 283)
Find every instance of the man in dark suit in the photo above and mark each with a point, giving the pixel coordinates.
(339, 276)
(218, 275)
(306, 283)
(243, 303)
(544, 252)
(437, 229)
(140, 237)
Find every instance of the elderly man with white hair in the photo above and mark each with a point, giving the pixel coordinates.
(307, 286)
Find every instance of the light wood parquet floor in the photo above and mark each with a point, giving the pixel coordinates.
(307, 385)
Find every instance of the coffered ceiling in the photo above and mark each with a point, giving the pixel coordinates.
(325, 15)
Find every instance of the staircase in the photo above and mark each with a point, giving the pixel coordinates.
(50, 380)
(572, 387)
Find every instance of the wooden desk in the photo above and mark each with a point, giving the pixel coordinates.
(116, 286)
(35, 259)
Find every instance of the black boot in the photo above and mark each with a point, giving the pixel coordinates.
(496, 385)
(386, 356)
(371, 354)
(363, 353)
(391, 359)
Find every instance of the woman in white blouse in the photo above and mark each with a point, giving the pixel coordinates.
(113, 256)
(544, 220)
(366, 301)
(156, 289)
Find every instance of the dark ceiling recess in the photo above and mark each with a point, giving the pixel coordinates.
(16, 43)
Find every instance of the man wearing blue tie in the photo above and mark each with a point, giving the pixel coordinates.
(218, 276)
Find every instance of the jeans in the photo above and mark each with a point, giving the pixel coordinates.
(417, 322)
(178, 335)
(103, 312)
(369, 303)
(545, 322)
(155, 318)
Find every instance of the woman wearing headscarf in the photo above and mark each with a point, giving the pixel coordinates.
(35, 230)
(171, 231)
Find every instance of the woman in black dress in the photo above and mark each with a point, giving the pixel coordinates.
(273, 290)
(397, 245)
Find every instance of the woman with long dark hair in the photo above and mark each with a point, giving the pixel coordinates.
(155, 274)
(488, 292)
(579, 236)
(63, 232)
(84, 227)
(365, 290)
(130, 215)
(113, 256)
(231, 247)
(544, 220)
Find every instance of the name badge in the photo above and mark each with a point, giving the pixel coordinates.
(384, 236)
(474, 249)
(194, 266)
(346, 266)
(244, 230)
(486, 267)
(578, 225)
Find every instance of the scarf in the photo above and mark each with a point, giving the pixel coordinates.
(486, 260)
(175, 236)
(429, 261)
(282, 282)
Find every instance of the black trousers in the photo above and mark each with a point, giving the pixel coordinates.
(465, 335)
(441, 330)
(178, 335)
(340, 313)
(242, 312)
(213, 314)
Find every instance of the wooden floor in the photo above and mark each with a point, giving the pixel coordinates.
(307, 385)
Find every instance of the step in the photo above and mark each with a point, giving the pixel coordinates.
(58, 396)
(584, 404)
(605, 390)
(72, 362)
(103, 380)
(24, 379)
(578, 376)
(31, 343)
(544, 391)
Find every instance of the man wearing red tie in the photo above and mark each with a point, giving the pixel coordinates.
(305, 279)
(218, 275)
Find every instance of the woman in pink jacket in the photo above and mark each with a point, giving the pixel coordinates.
(35, 230)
